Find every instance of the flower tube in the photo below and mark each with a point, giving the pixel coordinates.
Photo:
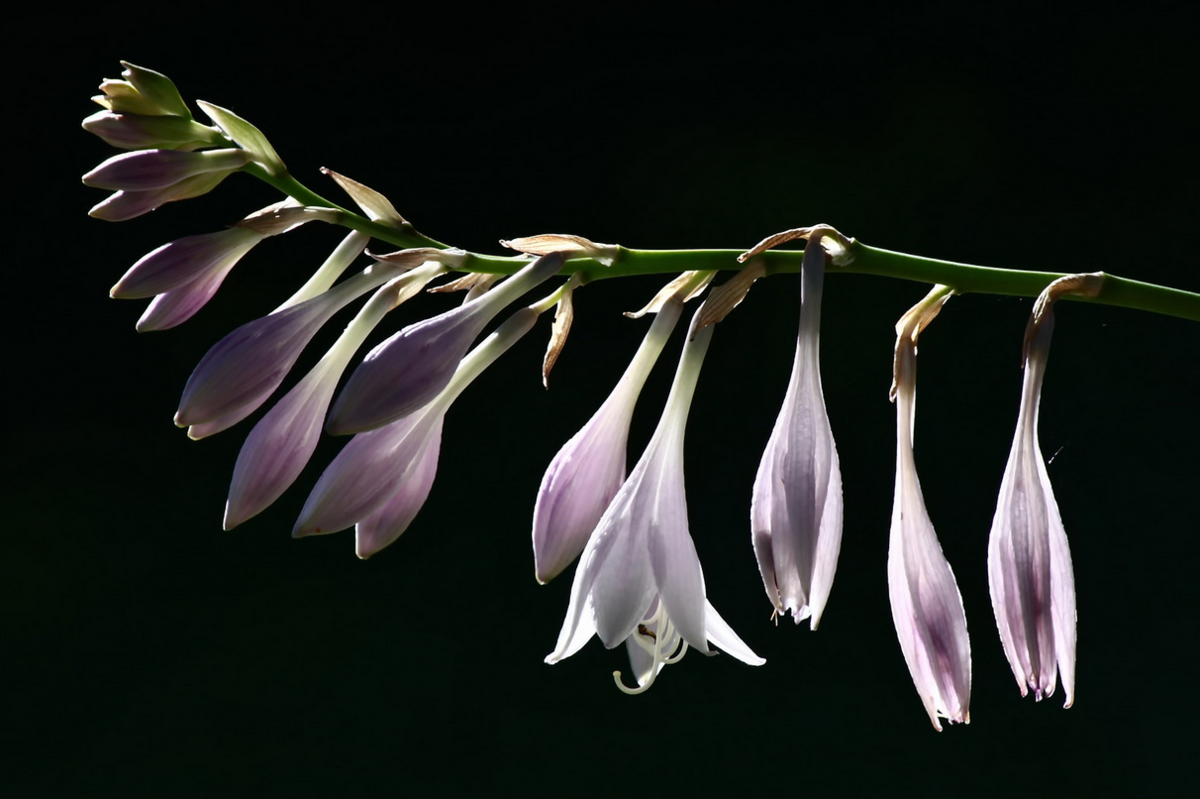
(244, 368)
(413, 366)
(589, 469)
(282, 442)
(1030, 576)
(796, 512)
(639, 581)
(927, 607)
(371, 469)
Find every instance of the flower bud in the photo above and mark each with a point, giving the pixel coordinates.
(144, 132)
(144, 170)
(414, 365)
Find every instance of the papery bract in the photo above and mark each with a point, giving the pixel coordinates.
(413, 366)
(927, 607)
(1030, 576)
(796, 512)
(639, 576)
(589, 469)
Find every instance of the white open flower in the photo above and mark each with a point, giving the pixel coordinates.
(639, 579)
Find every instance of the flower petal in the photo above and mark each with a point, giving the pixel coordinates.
(392, 518)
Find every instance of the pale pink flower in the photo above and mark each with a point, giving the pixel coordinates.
(927, 607)
(1029, 561)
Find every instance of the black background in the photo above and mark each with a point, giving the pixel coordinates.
(148, 653)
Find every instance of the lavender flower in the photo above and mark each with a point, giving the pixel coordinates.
(371, 470)
(1030, 575)
(282, 442)
(639, 579)
(589, 469)
(244, 368)
(185, 261)
(926, 605)
(413, 366)
(796, 513)
(144, 170)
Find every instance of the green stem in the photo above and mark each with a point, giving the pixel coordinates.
(963, 278)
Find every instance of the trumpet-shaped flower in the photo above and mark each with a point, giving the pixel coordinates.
(280, 445)
(796, 513)
(413, 366)
(244, 368)
(639, 580)
(373, 469)
(589, 469)
(926, 605)
(1029, 561)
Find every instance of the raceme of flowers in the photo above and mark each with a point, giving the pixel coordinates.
(638, 581)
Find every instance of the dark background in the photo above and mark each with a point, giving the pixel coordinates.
(148, 653)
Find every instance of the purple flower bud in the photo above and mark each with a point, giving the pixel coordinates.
(927, 607)
(589, 469)
(1029, 561)
(122, 205)
(372, 468)
(282, 442)
(392, 518)
(176, 306)
(157, 169)
(796, 512)
(142, 131)
(244, 368)
(185, 260)
(639, 581)
(409, 369)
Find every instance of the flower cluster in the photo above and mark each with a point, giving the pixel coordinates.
(638, 580)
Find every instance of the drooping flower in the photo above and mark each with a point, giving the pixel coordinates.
(414, 365)
(145, 170)
(282, 442)
(372, 469)
(1031, 580)
(927, 607)
(589, 469)
(796, 512)
(639, 580)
